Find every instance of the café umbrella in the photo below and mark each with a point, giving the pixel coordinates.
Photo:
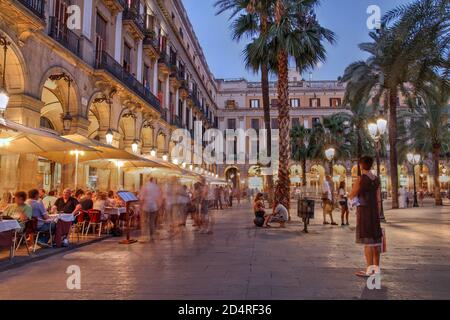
(101, 152)
(16, 138)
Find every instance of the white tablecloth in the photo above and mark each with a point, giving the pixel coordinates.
(115, 211)
(7, 225)
(66, 217)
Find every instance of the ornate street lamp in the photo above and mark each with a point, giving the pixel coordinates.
(165, 157)
(67, 118)
(414, 159)
(376, 131)
(153, 152)
(134, 146)
(109, 134)
(4, 97)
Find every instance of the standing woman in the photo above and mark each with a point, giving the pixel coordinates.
(368, 228)
(343, 202)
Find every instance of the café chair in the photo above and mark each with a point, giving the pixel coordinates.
(39, 233)
(22, 235)
(95, 220)
(82, 217)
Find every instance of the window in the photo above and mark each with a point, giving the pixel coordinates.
(274, 103)
(127, 57)
(146, 77)
(315, 121)
(100, 29)
(314, 102)
(231, 124)
(254, 103)
(230, 104)
(295, 122)
(274, 123)
(255, 124)
(46, 123)
(295, 103)
(335, 102)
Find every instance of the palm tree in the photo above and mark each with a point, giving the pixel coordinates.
(427, 130)
(355, 121)
(295, 34)
(254, 20)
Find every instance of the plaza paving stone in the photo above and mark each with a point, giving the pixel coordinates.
(241, 262)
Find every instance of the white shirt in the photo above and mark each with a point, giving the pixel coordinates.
(326, 188)
(151, 197)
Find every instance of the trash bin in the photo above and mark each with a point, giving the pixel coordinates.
(305, 209)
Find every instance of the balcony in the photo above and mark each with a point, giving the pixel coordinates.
(176, 121)
(35, 6)
(151, 44)
(64, 36)
(176, 75)
(108, 63)
(115, 5)
(184, 89)
(134, 22)
(164, 63)
(25, 16)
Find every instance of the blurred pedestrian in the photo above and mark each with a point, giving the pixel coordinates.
(150, 202)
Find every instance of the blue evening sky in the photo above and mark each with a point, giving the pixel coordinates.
(347, 18)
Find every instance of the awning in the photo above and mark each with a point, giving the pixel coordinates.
(16, 138)
(123, 164)
(102, 152)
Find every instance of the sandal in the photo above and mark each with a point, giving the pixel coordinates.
(362, 274)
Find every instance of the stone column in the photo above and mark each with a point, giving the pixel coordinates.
(118, 38)
(139, 62)
(155, 78)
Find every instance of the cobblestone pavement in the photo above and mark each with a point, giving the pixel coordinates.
(241, 262)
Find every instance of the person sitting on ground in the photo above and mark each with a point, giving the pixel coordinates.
(44, 224)
(280, 215)
(259, 210)
(49, 200)
(19, 210)
(65, 204)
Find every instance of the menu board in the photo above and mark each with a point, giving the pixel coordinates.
(127, 196)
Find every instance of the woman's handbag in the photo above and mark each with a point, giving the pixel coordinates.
(383, 241)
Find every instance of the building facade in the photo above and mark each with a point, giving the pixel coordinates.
(133, 68)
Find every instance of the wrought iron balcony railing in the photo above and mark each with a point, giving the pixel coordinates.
(108, 63)
(36, 6)
(150, 39)
(132, 14)
(66, 37)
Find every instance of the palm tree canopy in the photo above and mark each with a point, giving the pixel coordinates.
(425, 126)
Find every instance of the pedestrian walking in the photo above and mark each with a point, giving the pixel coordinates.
(368, 228)
(328, 200)
(150, 203)
(343, 202)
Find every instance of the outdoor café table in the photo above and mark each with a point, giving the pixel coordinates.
(114, 214)
(7, 230)
(63, 224)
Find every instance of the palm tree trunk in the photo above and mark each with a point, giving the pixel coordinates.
(266, 108)
(437, 187)
(393, 146)
(304, 172)
(359, 151)
(266, 105)
(282, 190)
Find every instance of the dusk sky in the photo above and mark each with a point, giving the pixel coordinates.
(347, 18)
